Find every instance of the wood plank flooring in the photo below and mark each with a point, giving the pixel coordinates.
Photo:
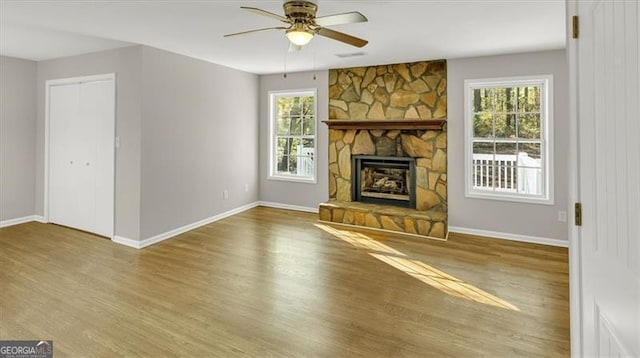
(275, 283)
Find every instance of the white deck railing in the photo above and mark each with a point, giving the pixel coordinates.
(305, 161)
(517, 173)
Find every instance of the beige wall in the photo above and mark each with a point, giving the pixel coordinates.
(307, 195)
(502, 216)
(199, 137)
(17, 138)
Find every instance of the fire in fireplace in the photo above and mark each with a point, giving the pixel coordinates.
(384, 180)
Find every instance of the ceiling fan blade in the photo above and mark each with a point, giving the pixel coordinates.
(342, 37)
(340, 19)
(256, 30)
(265, 13)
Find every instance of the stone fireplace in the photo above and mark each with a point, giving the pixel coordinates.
(387, 148)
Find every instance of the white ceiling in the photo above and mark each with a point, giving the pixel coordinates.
(398, 31)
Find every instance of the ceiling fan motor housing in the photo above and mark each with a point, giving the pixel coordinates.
(300, 11)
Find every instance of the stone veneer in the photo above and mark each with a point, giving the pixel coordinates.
(403, 91)
(415, 91)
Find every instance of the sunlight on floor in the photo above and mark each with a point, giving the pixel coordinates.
(444, 282)
(359, 240)
(418, 269)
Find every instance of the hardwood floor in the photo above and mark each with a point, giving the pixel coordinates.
(275, 283)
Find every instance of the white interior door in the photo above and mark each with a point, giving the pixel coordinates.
(81, 122)
(609, 177)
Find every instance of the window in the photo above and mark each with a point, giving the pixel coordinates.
(508, 126)
(293, 135)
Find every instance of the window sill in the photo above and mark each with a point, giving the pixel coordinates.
(293, 179)
(508, 197)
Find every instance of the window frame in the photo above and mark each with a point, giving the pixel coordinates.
(546, 140)
(273, 150)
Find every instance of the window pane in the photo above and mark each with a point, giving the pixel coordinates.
(284, 106)
(483, 125)
(529, 99)
(284, 146)
(283, 164)
(505, 125)
(304, 165)
(283, 126)
(293, 164)
(506, 149)
(295, 126)
(308, 126)
(295, 109)
(308, 106)
(506, 177)
(482, 165)
(308, 144)
(504, 99)
(483, 148)
(529, 126)
(481, 99)
(529, 155)
(530, 181)
(482, 169)
(295, 144)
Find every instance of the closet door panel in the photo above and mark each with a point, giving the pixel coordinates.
(63, 111)
(82, 176)
(98, 104)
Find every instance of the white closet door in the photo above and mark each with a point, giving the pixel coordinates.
(63, 110)
(81, 178)
(81, 155)
(97, 107)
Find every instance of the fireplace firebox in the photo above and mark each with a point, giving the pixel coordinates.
(384, 180)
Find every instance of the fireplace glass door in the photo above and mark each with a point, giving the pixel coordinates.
(384, 180)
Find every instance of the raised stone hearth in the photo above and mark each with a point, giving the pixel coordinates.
(389, 111)
(430, 223)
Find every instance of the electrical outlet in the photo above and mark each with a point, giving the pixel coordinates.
(562, 216)
(225, 194)
(246, 188)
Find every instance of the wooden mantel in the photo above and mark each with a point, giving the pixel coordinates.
(430, 124)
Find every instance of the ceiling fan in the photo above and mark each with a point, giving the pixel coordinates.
(303, 24)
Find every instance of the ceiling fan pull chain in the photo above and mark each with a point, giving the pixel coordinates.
(314, 65)
(285, 65)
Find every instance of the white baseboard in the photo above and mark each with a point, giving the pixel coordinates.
(175, 232)
(508, 236)
(40, 219)
(127, 242)
(270, 204)
(22, 220)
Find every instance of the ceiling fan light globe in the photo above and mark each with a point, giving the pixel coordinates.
(298, 37)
